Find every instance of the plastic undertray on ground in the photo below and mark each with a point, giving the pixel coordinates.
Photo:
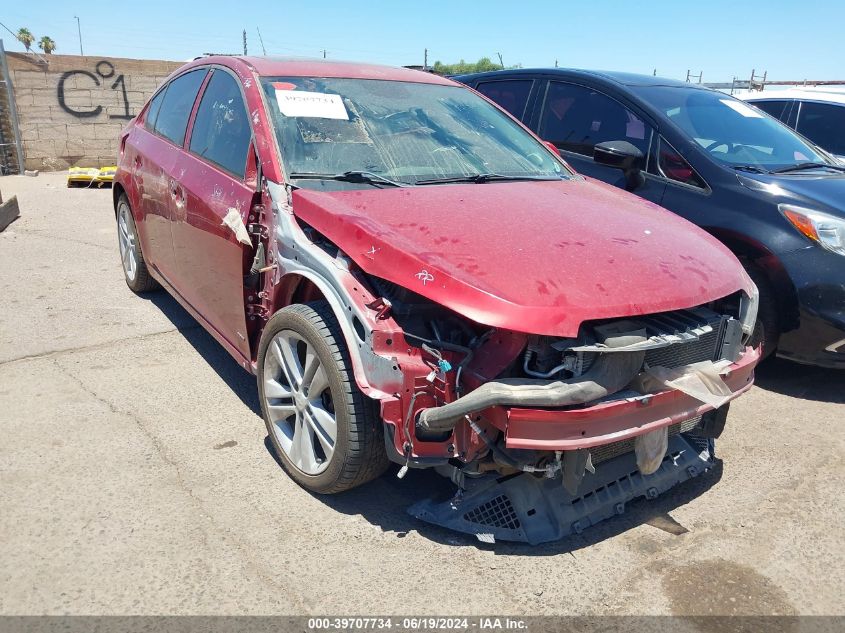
(9, 211)
(90, 176)
(524, 508)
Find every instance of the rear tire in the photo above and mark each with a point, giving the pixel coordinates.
(767, 328)
(135, 270)
(327, 434)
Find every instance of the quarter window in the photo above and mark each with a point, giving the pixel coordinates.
(671, 165)
(152, 111)
(824, 124)
(576, 118)
(511, 95)
(221, 131)
(175, 109)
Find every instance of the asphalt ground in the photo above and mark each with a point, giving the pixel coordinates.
(136, 477)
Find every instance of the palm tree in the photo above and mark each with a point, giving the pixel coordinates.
(47, 45)
(25, 37)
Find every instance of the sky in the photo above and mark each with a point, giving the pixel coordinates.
(789, 40)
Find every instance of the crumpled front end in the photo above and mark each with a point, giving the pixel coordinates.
(627, 405)
(544, 436)
(619, 380)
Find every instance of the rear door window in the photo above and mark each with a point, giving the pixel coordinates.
(824, 124)
(175, 109)
(576, 118)
(512, 94)
(221, 131)
(778, 108)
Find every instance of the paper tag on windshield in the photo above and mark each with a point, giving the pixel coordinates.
(297, 103)
(744, 110)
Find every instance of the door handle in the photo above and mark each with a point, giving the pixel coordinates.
(137, 162)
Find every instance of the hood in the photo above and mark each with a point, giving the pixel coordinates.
(823, 191)
(535, 257)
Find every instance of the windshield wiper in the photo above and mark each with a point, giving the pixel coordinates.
(351, 176)
(803, 166)
(479, 178)
(752, 168)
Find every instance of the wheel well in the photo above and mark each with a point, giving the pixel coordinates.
(117, 190)
(295, 288)
(754, 254)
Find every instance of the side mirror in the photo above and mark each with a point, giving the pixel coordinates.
(622, 155)
(552, 147)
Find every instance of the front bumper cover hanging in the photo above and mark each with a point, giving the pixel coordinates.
(528, 509)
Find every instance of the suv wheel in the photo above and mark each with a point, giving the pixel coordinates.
(767, 329)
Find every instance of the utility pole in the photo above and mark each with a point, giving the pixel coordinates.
(324, 53)
(501, 63)
(79, 30)
(555, 63)
(425, 60)
(260, 39)
(245, 42)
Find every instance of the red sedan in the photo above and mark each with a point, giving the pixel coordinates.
(414, 277)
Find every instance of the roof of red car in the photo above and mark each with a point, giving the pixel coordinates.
(305, 67)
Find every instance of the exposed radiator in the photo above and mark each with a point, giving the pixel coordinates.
(696, 335)
(609, 451)
(704, 348)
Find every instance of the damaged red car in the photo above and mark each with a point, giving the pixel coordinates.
(416, 278)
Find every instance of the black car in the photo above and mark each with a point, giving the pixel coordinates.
(772, 197)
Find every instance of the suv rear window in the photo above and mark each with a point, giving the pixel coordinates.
(824, 124)
(777, 108)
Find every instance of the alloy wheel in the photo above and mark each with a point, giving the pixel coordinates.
(128, 243)
(299, 403)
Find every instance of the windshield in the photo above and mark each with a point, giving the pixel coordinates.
(731, 131)
(399, 131)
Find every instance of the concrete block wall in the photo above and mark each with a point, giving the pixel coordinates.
(72, 109)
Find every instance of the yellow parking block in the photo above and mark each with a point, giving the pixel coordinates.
(90, 175)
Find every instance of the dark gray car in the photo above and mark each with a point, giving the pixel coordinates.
(775, 199)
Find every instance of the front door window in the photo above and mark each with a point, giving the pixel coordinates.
(576, 118)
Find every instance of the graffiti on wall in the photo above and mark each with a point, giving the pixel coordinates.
(104, 70)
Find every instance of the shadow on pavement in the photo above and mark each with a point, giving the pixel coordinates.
(384, 501)
(241, 382)
(801, 381)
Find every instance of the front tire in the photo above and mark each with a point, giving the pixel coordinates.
(767, 328)
(326, 433)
